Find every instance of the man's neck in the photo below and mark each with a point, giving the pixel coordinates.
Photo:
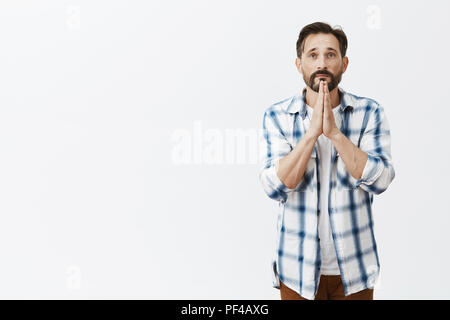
(311, 97)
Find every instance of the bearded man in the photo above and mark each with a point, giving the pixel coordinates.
(327, 152)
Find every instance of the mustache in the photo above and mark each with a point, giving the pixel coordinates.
(321, 72)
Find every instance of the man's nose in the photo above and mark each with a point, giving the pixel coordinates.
(321, 63)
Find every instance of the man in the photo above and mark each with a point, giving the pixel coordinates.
(327, 152)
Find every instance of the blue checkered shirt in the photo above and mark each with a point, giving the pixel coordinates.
(297, 258)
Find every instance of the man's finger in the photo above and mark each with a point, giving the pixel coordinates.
(324, 83)
(321, 94)
(327, 100)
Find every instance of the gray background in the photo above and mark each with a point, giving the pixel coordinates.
(98, 97)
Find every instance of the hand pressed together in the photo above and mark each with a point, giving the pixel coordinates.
(323, 118)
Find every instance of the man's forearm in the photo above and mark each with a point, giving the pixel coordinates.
(291, 168)
(354, 158)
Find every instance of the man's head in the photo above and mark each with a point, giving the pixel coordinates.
(321, 51)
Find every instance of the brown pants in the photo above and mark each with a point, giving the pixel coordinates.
(330, 288)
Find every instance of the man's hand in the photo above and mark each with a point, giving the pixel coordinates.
(315, 128)
(330, 128)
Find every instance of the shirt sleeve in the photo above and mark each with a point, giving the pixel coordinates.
(379, 170)
(274, 146)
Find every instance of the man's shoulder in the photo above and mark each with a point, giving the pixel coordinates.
(280, 106)
(361, 102)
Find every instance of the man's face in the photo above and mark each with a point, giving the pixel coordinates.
(321, 59)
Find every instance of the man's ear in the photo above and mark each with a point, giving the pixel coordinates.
(298, 64)
(344, 63)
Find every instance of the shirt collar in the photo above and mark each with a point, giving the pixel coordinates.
(298, 103)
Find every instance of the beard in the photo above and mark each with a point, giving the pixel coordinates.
(332, 81)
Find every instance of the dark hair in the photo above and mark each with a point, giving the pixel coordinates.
(321, 27)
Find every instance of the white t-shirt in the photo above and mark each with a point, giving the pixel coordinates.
(328, 253)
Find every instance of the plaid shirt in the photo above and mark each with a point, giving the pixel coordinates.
(297, 258)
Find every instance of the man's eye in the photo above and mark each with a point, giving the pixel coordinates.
(331, 54)
(312, 54)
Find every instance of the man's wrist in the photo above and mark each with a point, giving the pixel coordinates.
(311, 136)
(336, 136)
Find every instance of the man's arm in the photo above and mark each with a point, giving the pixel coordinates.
(370, 166)
(283, 165)
(291, 168)
(354, 158)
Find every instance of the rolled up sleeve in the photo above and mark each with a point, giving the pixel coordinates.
(274, 146)
(379, 170)
(272, 184)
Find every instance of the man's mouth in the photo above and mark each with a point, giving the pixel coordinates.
(322, 75)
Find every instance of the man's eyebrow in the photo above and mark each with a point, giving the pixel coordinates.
(329, 48)
(311, 50)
